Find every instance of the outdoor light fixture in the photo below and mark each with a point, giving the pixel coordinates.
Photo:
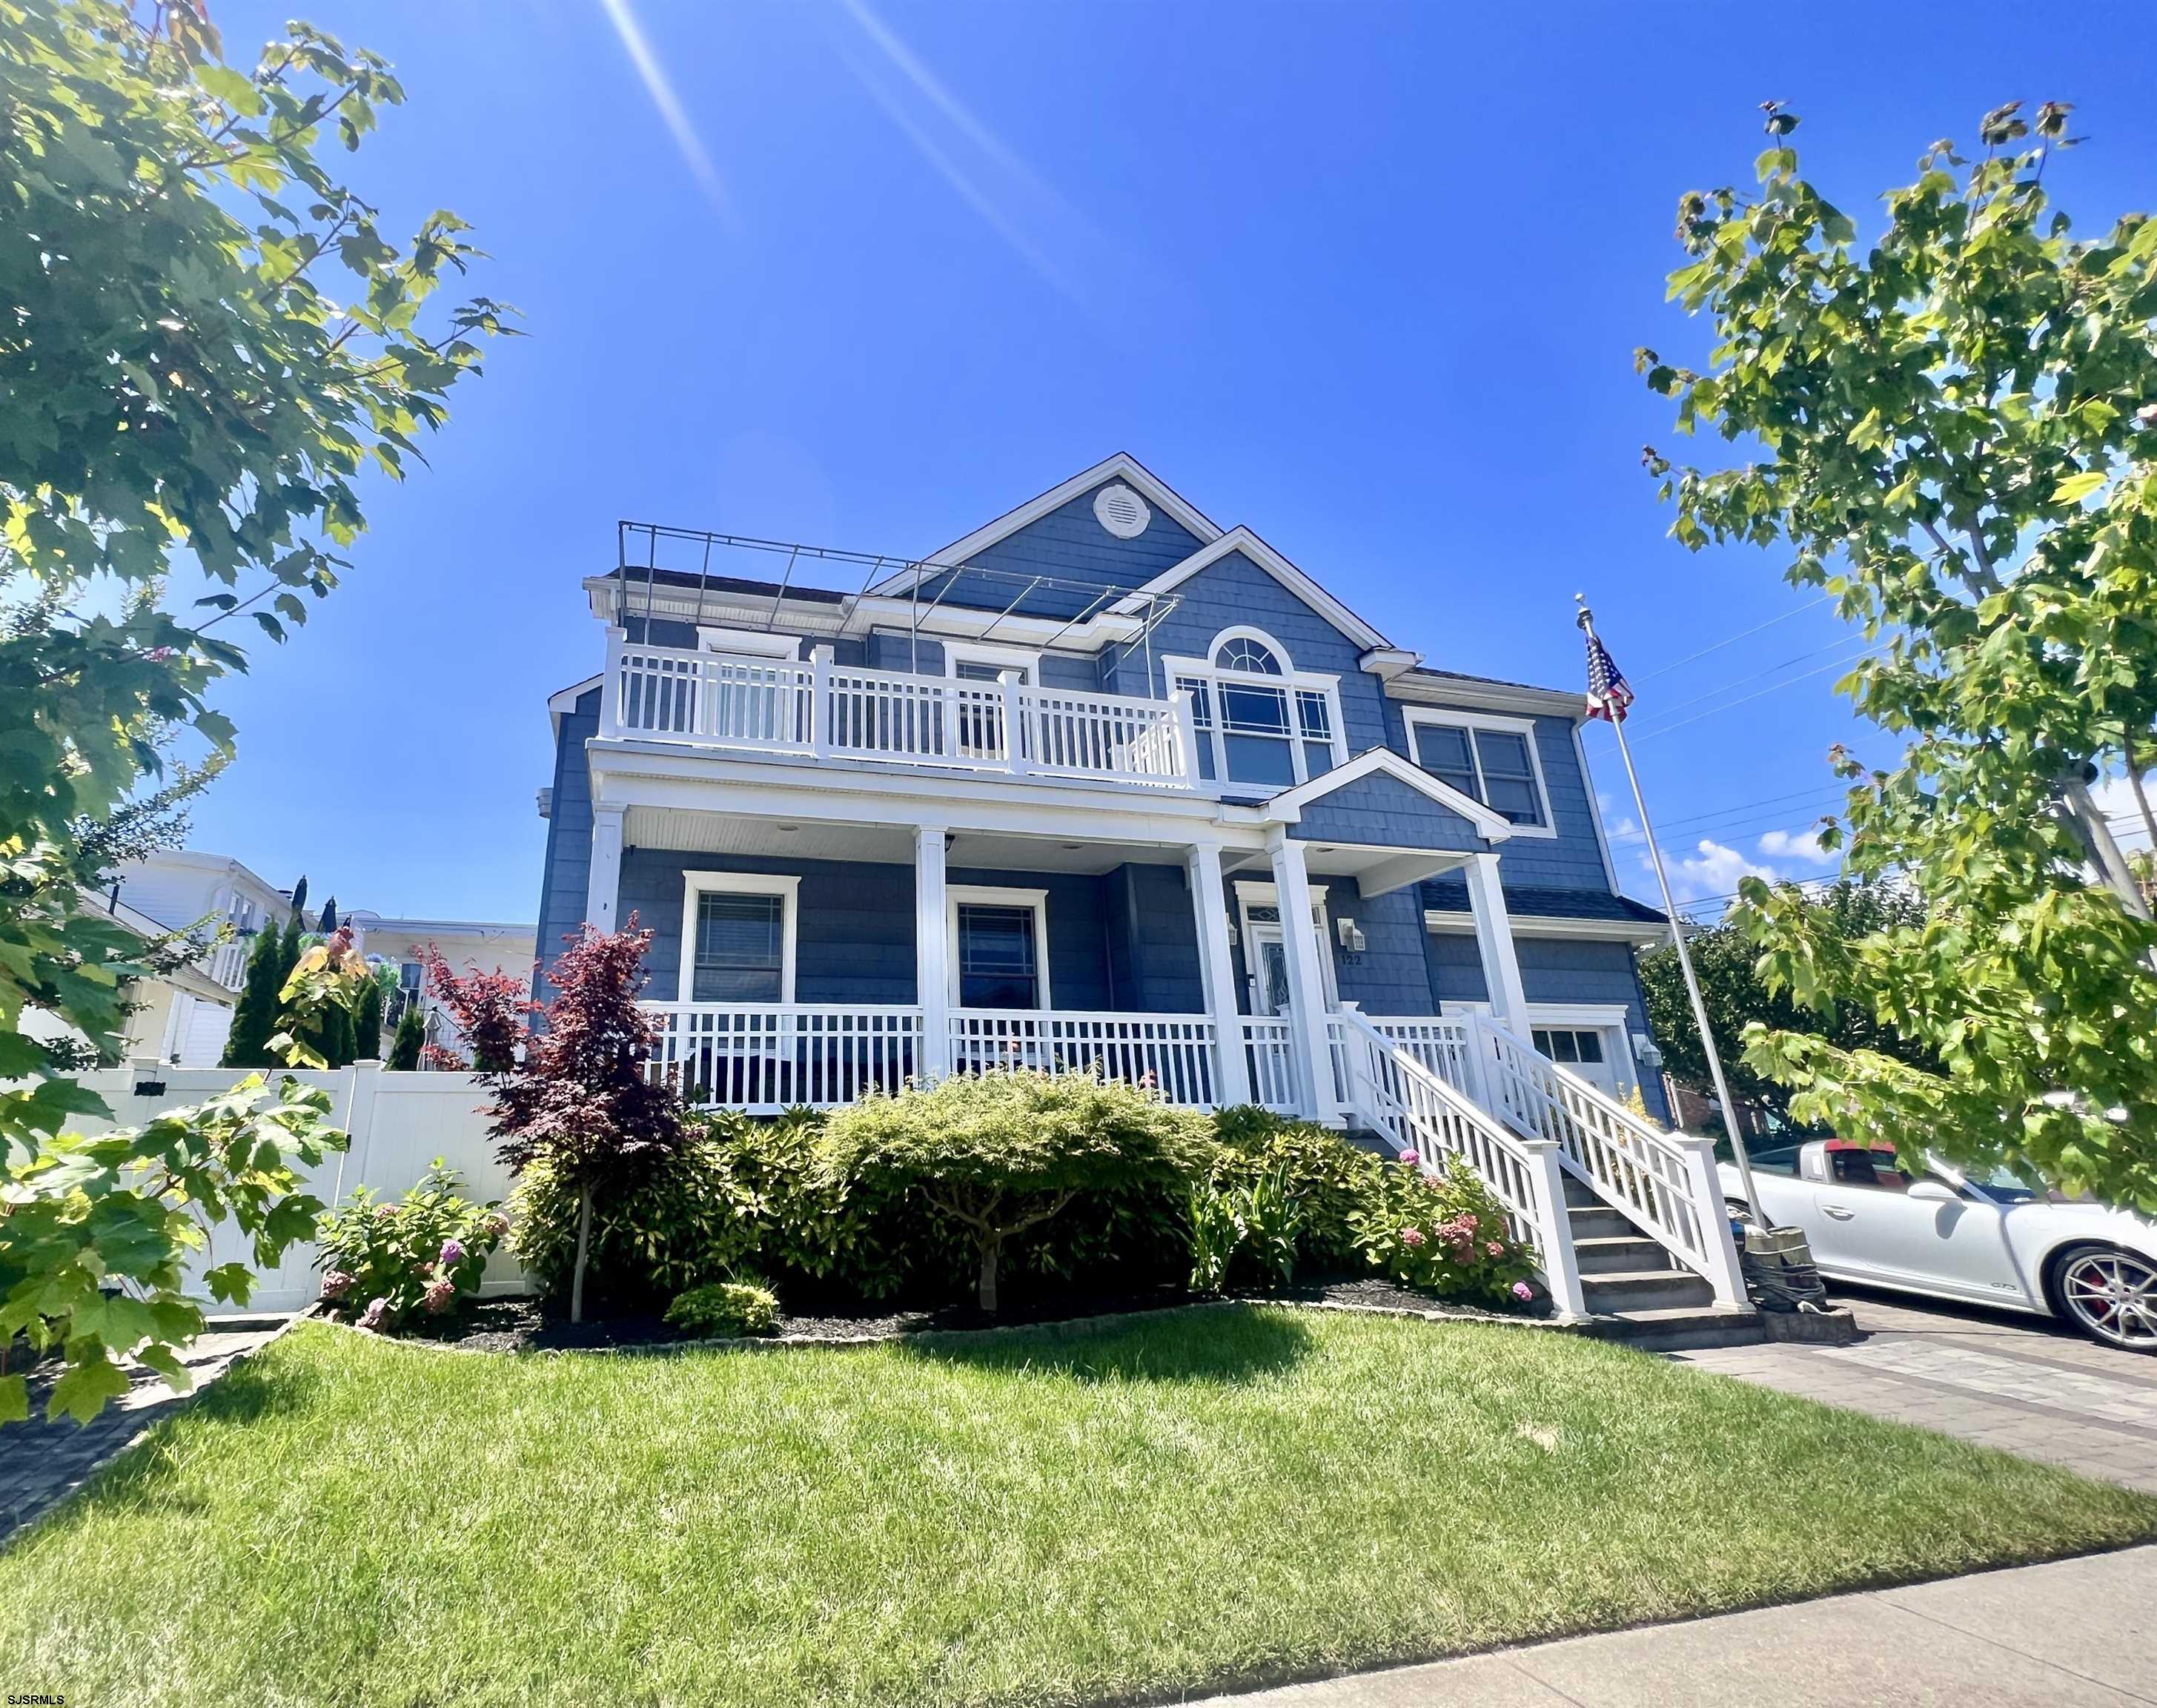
(1351, 940)
(1645, 1052)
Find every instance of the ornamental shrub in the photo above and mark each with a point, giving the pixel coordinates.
(382, 1262)
(725, 1310)
(409, 1038)
(999, 1154)
(1444, 1233)
(1329, 1179)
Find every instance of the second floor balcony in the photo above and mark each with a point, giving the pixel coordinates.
(818, 710)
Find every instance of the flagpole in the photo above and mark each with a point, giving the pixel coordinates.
(1587, 621)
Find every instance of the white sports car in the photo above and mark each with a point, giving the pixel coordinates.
(1995, 1241)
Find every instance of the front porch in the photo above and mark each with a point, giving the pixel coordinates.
(809, 964)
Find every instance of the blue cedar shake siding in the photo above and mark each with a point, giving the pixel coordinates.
(854, 929)
(566, 879)
(1386, 812)
(1070, 546)
(1552, 970)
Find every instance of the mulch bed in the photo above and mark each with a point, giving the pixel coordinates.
(520, 1325)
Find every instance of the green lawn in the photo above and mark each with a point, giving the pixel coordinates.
(1053, 1516)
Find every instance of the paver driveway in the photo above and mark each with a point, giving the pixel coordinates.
(2021, 1383)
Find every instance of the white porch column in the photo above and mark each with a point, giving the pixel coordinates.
(604, 891)
(1306, 980)
(1209, 904)
(932, 955)
(1494, 939)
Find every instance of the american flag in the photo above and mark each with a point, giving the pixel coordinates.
(1608, 693)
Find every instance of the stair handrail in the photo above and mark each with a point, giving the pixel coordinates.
(1420, 1111)
(1665, 1183)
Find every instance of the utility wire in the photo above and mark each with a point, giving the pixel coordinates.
(1717, 647)
(1791, 682)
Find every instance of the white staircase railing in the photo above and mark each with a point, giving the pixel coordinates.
(1665, 1182)
(1391, 1090)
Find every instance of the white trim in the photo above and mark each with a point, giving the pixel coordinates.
(564, 700)
(1441, 688)
(1240, 538)
(1637, 931)
(989, 895)
(1421, 718)
(696, 884)
(1594, 808)
(1122, 466)
(1290, 682)
(1287, 806)
(1613, 1020)
(755, 643)
(1027, 659)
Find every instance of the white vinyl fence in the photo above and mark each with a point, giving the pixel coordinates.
(399, 1122)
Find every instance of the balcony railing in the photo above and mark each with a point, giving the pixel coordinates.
(730, 700)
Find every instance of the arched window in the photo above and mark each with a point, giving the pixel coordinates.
(1260, 720)
(1241, 652)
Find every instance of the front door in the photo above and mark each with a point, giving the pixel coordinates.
(1585, 1050)
(1271, 991)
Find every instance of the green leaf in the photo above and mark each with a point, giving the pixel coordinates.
(2076, 487)
(84, 1389)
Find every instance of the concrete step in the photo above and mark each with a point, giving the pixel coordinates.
(1600, 1222)
(1580, 1194)
(1628, 1291)
(1683, 1329)
(1628, 1253)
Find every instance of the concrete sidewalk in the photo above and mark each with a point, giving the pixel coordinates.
(2076, 1631)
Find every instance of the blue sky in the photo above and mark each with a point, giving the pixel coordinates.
(1366, 277)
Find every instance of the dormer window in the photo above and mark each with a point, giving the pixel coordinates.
(1260, 721)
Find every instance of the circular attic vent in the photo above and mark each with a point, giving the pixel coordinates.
(1121, 511)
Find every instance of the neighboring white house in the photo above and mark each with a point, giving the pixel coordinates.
(464, 944)
(183, 1019)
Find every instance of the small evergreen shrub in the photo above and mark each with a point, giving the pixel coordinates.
(382, 1263)
(1445, 1234)
(725, 1310)
(409, 1038)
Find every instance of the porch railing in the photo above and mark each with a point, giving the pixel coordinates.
(727, 1055)
(778, 705)
(1269, 1056)
(1171, 1054)
(1419, 1112)
(1666, 1182)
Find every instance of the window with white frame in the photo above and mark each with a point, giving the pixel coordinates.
(999, 947)
(1259, 720)
(972, 661)
(737, 938)
(1494, 760)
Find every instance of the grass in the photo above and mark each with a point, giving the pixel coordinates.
(1139, 1507)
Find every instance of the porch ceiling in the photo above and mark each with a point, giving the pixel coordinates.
(1379, 872)
(811, 839)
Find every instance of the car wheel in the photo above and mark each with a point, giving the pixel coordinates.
(2109, 1294)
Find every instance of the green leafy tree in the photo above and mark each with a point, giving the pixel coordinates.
(206, 338)
(1951, 428)
(1727, 960)
(411, 1038)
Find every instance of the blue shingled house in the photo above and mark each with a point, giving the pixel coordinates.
(1105, 786)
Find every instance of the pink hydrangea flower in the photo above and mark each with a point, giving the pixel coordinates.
(377, 1310)
(497, 1225)
(1409, 1158)
(337, 1283)
(441, 1295)
(1523, 1291)
(453, 1253)
(1493, 1249)
(1411, 1238)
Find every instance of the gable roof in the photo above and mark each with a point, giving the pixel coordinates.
(1491, 826)
(1123, 466)
(1240, 538)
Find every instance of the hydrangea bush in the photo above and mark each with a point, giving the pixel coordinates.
(1445, 1233)
(383, 1262)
